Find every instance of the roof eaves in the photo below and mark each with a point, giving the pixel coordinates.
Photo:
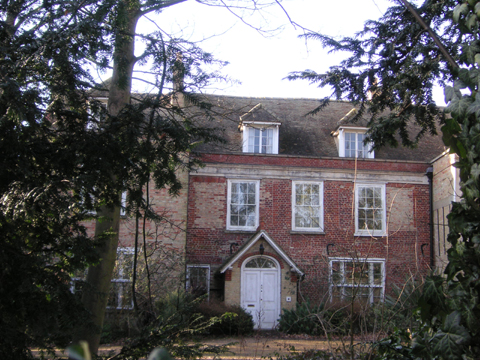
(251, 242)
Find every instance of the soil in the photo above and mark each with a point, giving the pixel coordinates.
(261, 345)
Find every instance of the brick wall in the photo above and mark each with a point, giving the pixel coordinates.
(165, 240)
(445, 190)
(208, 241)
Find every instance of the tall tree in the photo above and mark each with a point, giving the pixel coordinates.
(63, 153)
(390, 72)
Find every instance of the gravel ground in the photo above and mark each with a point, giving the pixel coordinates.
(258, 346)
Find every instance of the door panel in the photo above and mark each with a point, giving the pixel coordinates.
(251, 296)
(269, 298)
(261, 296)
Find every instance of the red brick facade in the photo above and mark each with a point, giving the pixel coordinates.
(308, 151)
(405, 249)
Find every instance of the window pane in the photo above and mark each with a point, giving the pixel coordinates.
(361, 279)
(307, 200)
(337, 276)
(197, 282)
(260, 140)
(113, 295)
(377, 273)
(298, 199)
(260, 263)
(242, 220)
(242, 188)
(243, 204)
(254, 263)
(251, 188)
(370, 212)
(243, 199)
(250, 221)
(126, 299)
(307, 205)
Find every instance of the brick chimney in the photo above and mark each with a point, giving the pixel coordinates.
(178, 85)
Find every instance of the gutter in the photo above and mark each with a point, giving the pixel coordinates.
(429, 175)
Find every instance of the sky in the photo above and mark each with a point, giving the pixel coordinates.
(261, 61)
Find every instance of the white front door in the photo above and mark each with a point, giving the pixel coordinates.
(261, 291)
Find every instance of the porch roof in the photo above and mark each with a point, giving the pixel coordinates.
(245, 247)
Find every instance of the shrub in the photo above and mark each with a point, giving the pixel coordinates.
(302, 320)
(337, 318)
(176, 307)
(118, 325)
(233, 319)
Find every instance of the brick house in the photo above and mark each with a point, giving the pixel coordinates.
(293, 206)
(297, 207)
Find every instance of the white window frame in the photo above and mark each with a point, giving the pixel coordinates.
(343, 284)
(121, 280)
(371, 232)
(247, 126)
(320, 206)
(80, 278)
(202, 266)
(257, 204)
(123, 204)
(369, 153)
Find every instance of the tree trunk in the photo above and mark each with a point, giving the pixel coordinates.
(98, 280)
(99, 277)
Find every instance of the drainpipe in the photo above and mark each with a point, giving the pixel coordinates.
(429, 175)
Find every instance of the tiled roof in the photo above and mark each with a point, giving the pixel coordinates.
(301, 134)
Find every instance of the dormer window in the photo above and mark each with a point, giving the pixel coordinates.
(260, 131)
(260, 138)
(350, 143)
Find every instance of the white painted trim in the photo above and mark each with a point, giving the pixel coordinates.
(278, 287)
(257, 204)
(125, 250)
(123, 204)
(240, 171)
(301, 229)
(266, 123)
(246, 129)
(357, 261)
(340, 134)
(383, 231)
(203, 266)
(252, 242)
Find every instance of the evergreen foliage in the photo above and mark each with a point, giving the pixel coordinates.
(64, 154)
(390, 70)
(393, 66)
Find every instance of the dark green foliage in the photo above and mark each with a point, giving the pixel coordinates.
(118, 326)
(177, 307)
(169, 336)
(181, 307)
(233, 320)
(327, 319)
(304, 319)
(182, 318)
(390, 70)
(62, 154)
(400, 308)
(396, 61)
